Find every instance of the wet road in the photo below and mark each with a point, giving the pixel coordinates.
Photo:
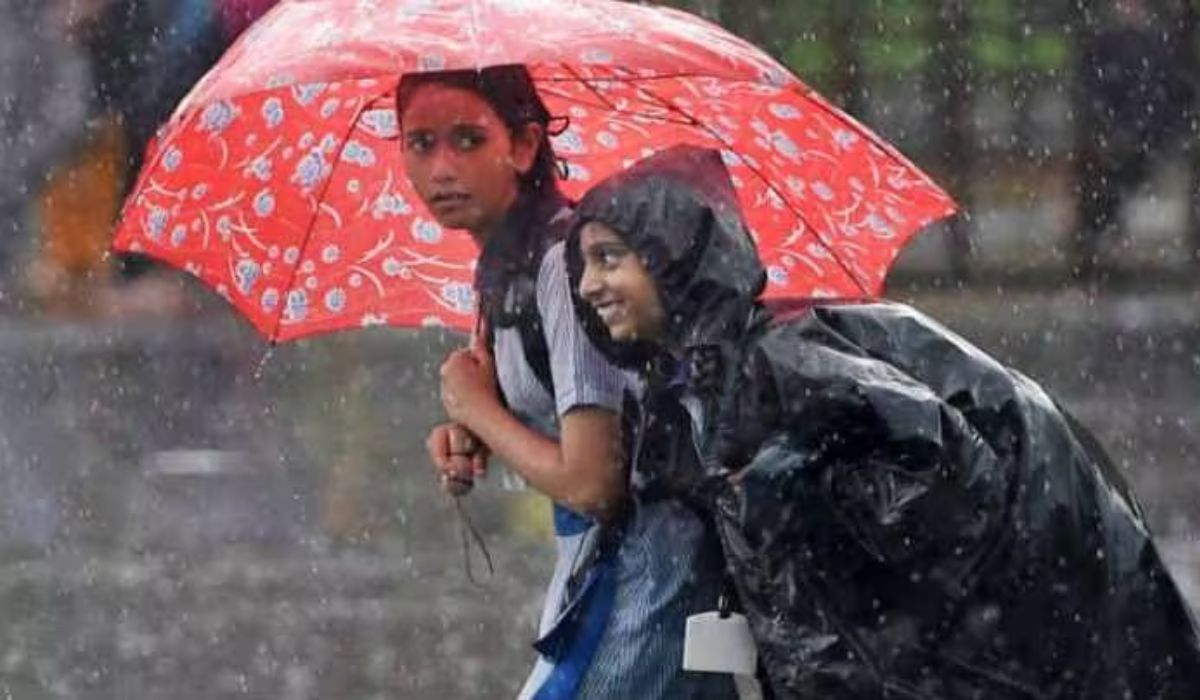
(171, 527)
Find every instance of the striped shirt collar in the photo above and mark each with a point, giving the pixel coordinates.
(516, 244)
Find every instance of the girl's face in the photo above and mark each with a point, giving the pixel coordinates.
(461, 158)
(617, 285)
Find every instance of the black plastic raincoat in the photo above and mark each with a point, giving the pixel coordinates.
(909, 518)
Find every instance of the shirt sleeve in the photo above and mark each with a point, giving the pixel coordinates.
(582, 375)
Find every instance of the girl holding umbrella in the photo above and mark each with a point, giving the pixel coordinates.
(629, 572)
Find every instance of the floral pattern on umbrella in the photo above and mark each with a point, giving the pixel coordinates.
(280, 182)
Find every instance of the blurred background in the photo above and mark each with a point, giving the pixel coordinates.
(185, 514)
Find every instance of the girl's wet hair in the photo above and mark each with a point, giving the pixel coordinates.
(510, 92)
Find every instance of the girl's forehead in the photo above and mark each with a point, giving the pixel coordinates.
(436, 105)
(594, 232)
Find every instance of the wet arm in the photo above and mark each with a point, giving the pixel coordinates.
(584, 471)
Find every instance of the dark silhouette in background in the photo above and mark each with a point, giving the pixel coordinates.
(136, 59)
(1133, 98)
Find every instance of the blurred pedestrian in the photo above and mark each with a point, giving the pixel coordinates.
(1188, 60)
(1131, 102)
(142, 57)
(43, 103)
(82, 193)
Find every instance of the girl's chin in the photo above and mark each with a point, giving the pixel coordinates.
(618, 334)
(627, 334)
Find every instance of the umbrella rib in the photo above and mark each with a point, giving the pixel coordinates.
(662, 77)
(591, 88)
(589, 83)
(766, 181)
(308, 235)
(473, 32)
(605, 102)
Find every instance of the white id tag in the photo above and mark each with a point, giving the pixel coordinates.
(718, 644)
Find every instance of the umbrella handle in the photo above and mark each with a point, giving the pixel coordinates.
(481, 334)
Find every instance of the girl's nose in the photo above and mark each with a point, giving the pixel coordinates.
(442, 167)
(589, 283)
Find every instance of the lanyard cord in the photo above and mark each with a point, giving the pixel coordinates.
(470, 533)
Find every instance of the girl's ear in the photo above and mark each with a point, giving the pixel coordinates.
(525, 145)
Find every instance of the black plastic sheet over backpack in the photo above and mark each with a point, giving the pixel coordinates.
(909, 518)
(922, 522)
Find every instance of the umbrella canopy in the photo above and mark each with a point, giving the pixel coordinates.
(280, 181)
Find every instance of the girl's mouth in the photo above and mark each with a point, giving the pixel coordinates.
(449, 199)
(610, 312)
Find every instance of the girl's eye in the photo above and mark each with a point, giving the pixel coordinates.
(609, 257)
(419, 142)
(468, 139)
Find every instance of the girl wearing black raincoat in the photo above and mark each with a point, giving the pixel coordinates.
(901, 515)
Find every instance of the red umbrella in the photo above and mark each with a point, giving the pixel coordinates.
(279, 181)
